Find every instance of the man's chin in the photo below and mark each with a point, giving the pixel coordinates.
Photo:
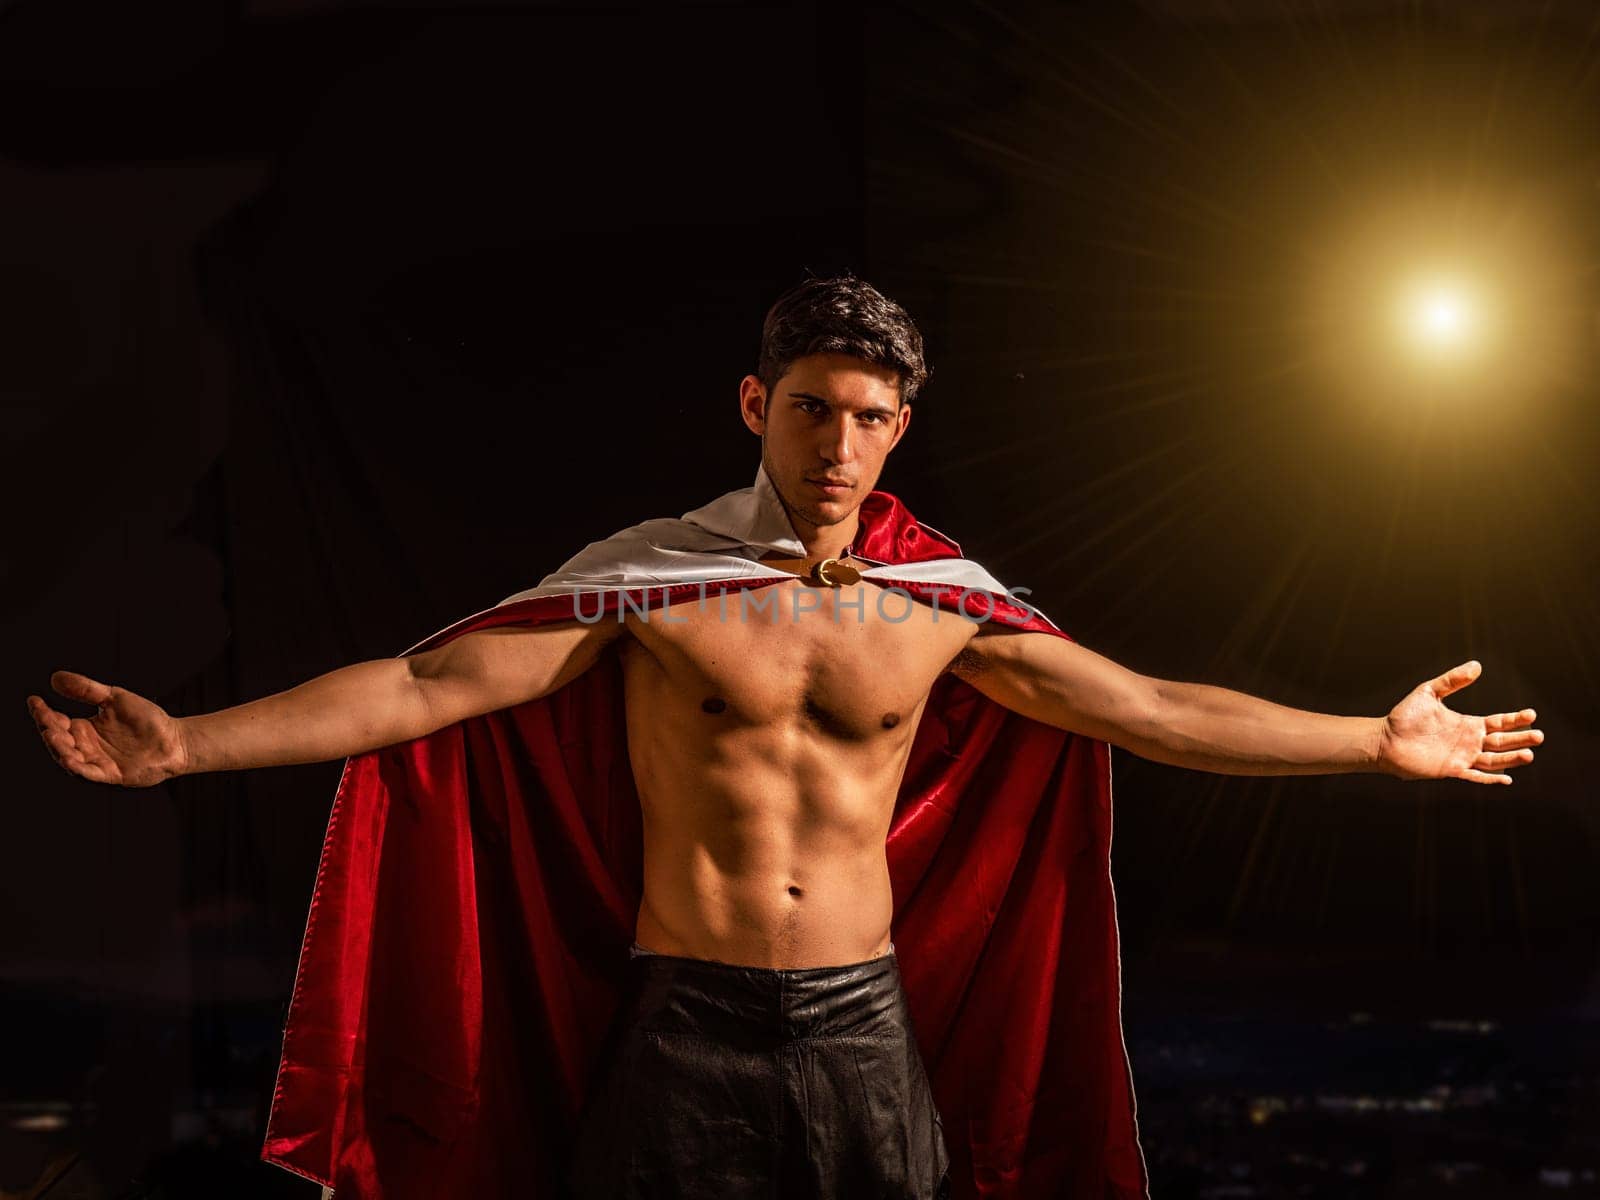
(823, 513)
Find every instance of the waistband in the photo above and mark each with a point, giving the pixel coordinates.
(761, 1006)
(638, 951)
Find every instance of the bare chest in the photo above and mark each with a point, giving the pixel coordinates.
(856, 660)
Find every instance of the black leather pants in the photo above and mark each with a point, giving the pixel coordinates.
(737, 1083)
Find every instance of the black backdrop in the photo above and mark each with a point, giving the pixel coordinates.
(328, 324)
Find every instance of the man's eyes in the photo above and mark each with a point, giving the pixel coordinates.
(813, 406)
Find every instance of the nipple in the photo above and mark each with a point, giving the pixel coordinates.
(890, 720)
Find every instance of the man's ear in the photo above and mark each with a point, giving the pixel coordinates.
(753, 404)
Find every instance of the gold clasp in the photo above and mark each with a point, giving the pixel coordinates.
(830, 572)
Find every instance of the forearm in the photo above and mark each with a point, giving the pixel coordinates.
(1215, 729)
(347, 711)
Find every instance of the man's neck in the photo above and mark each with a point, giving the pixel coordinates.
(828, 541)
(824, 541)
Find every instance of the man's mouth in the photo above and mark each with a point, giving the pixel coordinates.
(831, 486)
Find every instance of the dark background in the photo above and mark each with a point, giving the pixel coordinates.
(326, 324)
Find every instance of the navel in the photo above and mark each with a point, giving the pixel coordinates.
(795, 892)
(890, 720)
(713, 704)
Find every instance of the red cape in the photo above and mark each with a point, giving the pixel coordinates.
(478, 890)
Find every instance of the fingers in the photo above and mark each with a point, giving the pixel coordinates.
(79, 687)
(1499, 762)
(1455, 678)
(55, 731)
(63, 749)
(46, 717)
(1511, 720)
(1481, 777)
(71, 759)
(1513, 741)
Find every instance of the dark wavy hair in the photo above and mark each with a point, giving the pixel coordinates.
(841, 315)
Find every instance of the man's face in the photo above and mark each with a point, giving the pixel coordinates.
(830, 418)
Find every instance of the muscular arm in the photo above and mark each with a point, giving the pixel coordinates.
(388, 700)
(498, 668)
(1190, 725)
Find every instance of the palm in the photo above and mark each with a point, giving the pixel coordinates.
(1422, 739)
(129, 741)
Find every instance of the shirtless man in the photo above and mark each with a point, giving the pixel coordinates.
(768, 753)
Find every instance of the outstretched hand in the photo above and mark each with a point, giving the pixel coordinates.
(1422, 739)
(129, 741)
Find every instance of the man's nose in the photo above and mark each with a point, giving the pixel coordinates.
(839, 445)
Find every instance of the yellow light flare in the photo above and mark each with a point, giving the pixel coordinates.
(1441, 317)
(1466, 299)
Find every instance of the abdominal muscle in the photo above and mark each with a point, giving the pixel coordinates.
(749, 863)
(768, 757)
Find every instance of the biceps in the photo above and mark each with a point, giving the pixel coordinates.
(1061, 683)
(492, 669)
